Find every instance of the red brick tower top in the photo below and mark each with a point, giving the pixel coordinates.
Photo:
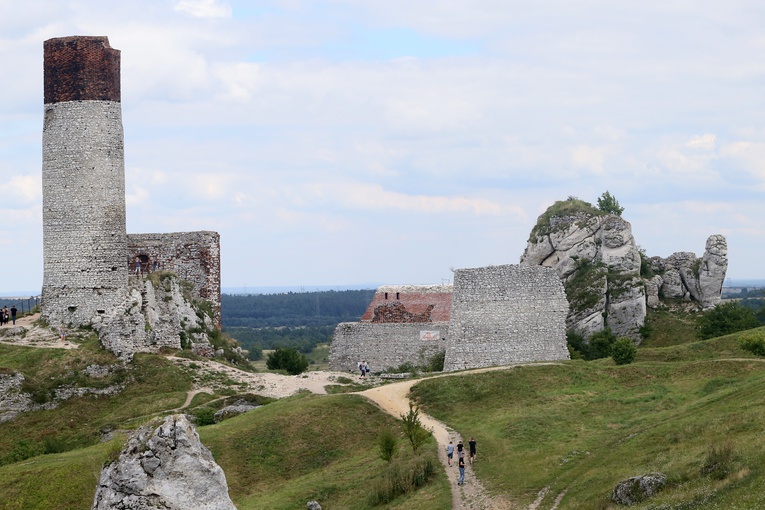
(81, 68)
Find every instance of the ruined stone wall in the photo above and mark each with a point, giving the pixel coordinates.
(385, 346)
(83, 175)
(410, 303)
(506, 314)
(193, 256)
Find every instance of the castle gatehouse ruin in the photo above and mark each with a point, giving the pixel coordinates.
(491, 316)
(89, 274)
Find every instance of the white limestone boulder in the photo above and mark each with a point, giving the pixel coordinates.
(163, 468)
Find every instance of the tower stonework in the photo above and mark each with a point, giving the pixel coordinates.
(83, 175)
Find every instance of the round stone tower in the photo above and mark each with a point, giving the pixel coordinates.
(83, 176)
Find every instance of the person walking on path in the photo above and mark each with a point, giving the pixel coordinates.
(13, 314)
(461, 466)
(460, 447)
(362, 368)
(471, 444)
(62, 332)
(449, 453)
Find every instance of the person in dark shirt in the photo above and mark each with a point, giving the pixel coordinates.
(13, 314)
(461, 466)
(471, 444)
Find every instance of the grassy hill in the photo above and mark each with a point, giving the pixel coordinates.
(694, 411)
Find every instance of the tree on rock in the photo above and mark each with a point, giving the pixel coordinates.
(287, 359)
(609, 204)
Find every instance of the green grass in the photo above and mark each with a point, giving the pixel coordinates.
(65, 481)
(584, 426)
(152, 385)
(575, 426)
(671, 326)
(311, 447)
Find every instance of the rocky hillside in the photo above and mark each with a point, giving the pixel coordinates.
(609, 282)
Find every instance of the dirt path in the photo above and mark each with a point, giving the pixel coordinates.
(212, 374)
(394, 400)
(26, 333)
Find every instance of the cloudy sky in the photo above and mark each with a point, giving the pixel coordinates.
(337, 142)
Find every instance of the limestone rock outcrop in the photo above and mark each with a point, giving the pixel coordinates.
(596, 257)
(638, 488)
(165, 468)
(685, 276)
(606, 279)
(14, 400)
(154, 314)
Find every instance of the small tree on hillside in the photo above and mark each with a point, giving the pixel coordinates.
(609, 204)
(413, 429)
(387, 442)
(287, 359)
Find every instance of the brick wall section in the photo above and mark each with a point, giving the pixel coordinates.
(193, 256)
(506, 314)
(384, 346)
(81, 68)
(414, 301)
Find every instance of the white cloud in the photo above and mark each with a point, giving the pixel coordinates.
(204, 8)
(707, 142)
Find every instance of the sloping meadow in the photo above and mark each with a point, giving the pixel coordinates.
(581, 427)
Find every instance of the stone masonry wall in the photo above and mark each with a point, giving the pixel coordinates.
(506, 314)
(193, 256)
(83, 179)
(385, 346)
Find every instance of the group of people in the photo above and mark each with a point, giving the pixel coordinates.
(139, 268)
(363, 368)
(7, 315)
(461, 456)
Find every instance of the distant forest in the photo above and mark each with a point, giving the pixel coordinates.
(293, 319)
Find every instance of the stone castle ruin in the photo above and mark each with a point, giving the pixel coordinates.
(491, 316)
(89, 259)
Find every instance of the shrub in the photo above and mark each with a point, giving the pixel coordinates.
(724, 319)
(287, 359)
(386, 444)
(400, 479)
(754, 342)
(720, 461)
(413, 429)
(436, 363)
(600, 344)
(203, 416)
(623, 351)
(577, 346)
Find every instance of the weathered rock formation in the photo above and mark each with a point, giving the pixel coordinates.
(606, 279)
(156, 313)
(682, 275)
(14, 400)
(638, 488)
(163, 468)
(596, 257)
(235, 409)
